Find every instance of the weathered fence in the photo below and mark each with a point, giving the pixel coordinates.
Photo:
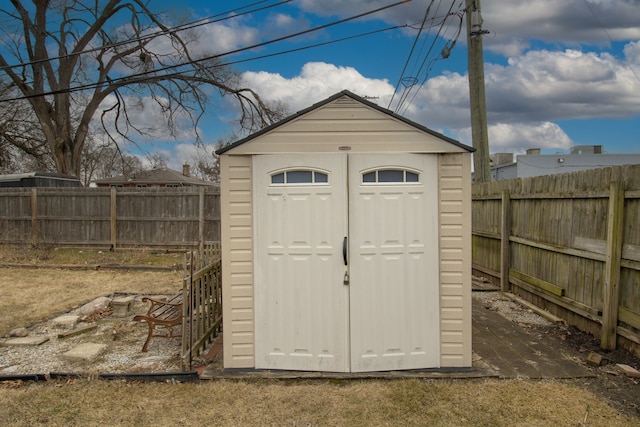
(202, 303)
(569, 243)
(110, 217)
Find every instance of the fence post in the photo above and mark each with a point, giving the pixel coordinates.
(201, 222)
(34, 217)
(505, 232)
(611, 297)
(112, 217)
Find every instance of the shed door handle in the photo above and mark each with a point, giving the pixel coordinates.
(344, 251)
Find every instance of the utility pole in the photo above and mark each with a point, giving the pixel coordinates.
(479, 134)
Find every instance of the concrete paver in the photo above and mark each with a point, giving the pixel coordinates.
(86, 351)
(513, 353)
(34, 340)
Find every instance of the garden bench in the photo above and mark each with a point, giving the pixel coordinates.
(166, 314)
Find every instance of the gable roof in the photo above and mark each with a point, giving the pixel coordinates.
(155, 176)
(333, 98)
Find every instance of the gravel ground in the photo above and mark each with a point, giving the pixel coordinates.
(504, 305)
(123, 339)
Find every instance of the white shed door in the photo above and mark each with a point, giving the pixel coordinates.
(308, 210)
(394, 310)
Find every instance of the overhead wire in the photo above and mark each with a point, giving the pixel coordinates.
(426, 60)
(409, 81)
(299, 49)
(132, 77)
(230, 14)
(413, 46)
(428, 69)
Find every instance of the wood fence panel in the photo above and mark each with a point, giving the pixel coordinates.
(558, 246)
(72, 217)
(15, 216)
(110, 217)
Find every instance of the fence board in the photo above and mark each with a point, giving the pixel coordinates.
(558, 236)
(202, 290)
(109, 217)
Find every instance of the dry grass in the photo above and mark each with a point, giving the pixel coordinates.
(73, 256)
(306, 403)
(30, 295)
(33, 295)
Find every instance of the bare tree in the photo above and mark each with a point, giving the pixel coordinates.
(22, 143)
(205, 164)
(103, 160)
(77, 60)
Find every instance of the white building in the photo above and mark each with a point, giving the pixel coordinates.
(533, 163)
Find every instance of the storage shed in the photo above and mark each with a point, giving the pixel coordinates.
(346, 243)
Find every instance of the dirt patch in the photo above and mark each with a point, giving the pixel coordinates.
(620, 391)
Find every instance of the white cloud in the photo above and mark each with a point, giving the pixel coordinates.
(538, 86)
(511, 137)
(632, 54)
(316, 81)
(149, 121)
(513, 23)
(211, 39)
(524, 97)
(545, 85)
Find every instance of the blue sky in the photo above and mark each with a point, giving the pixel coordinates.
(558, 73)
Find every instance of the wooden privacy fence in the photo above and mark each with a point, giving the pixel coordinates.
(202, 304)
(110, 217)
(569, 243)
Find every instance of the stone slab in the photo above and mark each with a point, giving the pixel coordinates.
(26, 341)
(86, 351)
(121, 306)
(68, 321)
(628, 370)
(77, 331)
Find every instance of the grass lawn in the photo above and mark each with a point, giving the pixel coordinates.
(88, 402)
(34, 295)
(30, 295)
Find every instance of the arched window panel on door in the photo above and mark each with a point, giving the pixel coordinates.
(391, 176)
(299, 176)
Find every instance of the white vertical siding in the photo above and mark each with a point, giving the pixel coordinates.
(237, 261)
(455, 260)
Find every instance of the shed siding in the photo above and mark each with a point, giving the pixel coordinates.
(346, 122)
(237, 261)
(455, 260)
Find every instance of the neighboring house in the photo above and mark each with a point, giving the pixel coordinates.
(163, 177)
(39, 179)
(533, 163)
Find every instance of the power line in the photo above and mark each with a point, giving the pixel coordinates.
(415, 42)
(426, 76)
(183, 27)
(407, 91)
(299, 49)
(209, 58)
(411, 82)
